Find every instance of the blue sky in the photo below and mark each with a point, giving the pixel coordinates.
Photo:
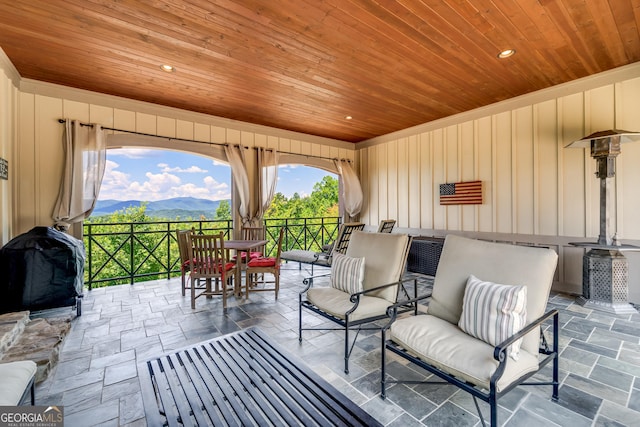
(148, 175)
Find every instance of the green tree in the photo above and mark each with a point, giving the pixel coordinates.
(129, 234)
(224, 210)
(322, 202)
(324, 197)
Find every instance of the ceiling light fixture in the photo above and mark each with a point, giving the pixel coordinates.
(167, 68)
(506, 53)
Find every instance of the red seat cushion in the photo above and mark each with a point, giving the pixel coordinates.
(252, 255)
(227, 267)
(262, 262)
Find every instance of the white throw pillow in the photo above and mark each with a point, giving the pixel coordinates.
(493, 312)
(347, 273)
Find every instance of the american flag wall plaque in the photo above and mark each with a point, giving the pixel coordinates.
(461, 193)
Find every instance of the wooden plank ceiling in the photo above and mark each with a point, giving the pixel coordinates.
(305, 65)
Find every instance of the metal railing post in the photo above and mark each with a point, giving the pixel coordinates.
(88, 257)
(168, 250)
(132, 257)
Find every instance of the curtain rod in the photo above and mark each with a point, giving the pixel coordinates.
(148, 134)
(203, 142)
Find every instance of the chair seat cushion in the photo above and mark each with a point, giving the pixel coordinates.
(16, 377)
(252, 255)
(445, 346)
(262, 262)
(308, 257)
(337, 303)
(227, 266)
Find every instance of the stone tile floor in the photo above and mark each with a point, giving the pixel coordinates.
(96, 378)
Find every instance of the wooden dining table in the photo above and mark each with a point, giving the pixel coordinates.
(241, 246)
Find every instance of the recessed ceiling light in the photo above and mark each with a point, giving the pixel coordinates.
(167, 68)
(506, 53)
(348, 117)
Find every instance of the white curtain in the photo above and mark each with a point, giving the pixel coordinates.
(83, 169)
(352, 195)
(235, 157)
(268, 175)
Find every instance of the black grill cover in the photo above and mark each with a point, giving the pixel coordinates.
(43, 268)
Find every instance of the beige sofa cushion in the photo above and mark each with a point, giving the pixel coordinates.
(445, 346)
(15, 377)
(499, 263)
(337, 303)
(385, 257)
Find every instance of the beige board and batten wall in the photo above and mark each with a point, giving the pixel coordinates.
(9, 79)
(535, 191)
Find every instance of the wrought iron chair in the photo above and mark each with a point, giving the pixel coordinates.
(482, 329)
(258, 267)
(386, 225)
(321, 258)
(378, 261)
(209, 261)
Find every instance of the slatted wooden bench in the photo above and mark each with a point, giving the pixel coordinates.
(241, 379)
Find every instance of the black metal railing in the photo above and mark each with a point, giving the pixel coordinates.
(302, 233)
(119, 253)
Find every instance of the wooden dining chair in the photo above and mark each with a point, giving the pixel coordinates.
(209, 261)
(182, 236)
(257, 268)
(254, 233)
(250, 233)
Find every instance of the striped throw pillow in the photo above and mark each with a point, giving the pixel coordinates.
(347, 273)
(493, 312)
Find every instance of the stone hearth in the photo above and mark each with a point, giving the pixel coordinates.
(22, 338)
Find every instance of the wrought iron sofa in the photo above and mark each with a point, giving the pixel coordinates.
(442, 340)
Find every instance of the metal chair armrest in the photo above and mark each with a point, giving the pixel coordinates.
(499, 353)
(308, 281)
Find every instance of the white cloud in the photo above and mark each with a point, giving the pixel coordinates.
(191, 169)
(217, 190)
(114, 182)
(211, 183)
(118, 185)
(188, 190)
(156, 186)
(133, 153)
(287, 168)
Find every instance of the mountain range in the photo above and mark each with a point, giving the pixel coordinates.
(178, 207)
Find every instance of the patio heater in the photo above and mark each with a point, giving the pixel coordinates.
(605, 269)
